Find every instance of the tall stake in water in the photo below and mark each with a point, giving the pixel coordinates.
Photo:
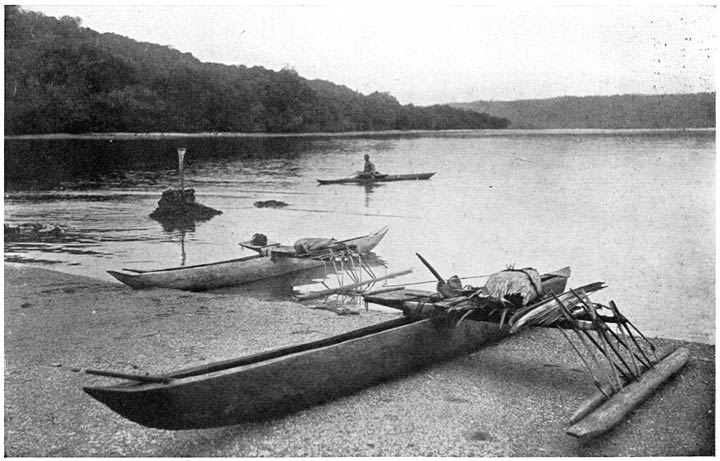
(181, 157)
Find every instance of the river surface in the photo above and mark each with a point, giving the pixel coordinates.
(635, 209)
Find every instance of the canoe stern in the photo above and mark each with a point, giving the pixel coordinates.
(131, 280)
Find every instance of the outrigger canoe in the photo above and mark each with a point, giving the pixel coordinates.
(271, 261)
(623, 363)
(280, 381)
(377, 178)
(435, 327)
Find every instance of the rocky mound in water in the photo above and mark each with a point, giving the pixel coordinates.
(181, 204)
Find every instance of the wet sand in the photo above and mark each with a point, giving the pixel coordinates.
(509, 399)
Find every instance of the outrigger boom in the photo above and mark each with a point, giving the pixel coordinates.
(620, 359)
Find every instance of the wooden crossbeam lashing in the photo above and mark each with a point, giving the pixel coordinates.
(348, 263)
(625, 368)
(620, 359)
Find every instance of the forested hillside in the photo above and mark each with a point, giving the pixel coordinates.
(61, 77)
(611, 112)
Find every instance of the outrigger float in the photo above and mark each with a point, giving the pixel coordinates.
(623, 364)
(436, 327)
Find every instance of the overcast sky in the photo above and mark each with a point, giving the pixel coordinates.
(425, 54)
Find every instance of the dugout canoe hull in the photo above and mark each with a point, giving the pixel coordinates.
(277, 383)
(232, 272)
(385, 178)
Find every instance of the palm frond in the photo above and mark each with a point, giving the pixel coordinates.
(548, 312)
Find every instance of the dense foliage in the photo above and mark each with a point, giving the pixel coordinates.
(607, 112)
(61, 77)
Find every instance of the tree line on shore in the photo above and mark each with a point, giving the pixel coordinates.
(695, 110)
(64, 78)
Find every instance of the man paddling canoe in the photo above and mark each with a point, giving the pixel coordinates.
(369, 169)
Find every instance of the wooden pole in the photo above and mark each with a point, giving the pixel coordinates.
(602, 330)
(627, 322)
(596, 381)
(384, 290)
(320, 294)
(566, 313)
(181, 157)
(600, 345)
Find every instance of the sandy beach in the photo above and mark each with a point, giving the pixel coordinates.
(510, 399)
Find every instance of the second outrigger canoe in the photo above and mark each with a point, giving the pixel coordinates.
(377, 178)
(271, 261)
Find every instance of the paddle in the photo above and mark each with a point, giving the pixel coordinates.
(432, 269)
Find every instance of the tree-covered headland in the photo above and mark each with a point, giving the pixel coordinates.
(64, 78)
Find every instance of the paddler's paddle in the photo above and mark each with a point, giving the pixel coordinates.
(432, 269)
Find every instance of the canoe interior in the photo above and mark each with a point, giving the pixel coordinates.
(552, 282)
(195, 266)
(259, 388)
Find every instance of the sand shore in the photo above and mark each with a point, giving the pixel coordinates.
(509, 399)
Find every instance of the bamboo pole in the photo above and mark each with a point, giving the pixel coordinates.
(602, 331)
(596, 381)
(330, 291)
(599, 344)
(627, 321)
(566, 312)
(384, 290)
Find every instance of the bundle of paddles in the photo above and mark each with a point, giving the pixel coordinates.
(513, 297)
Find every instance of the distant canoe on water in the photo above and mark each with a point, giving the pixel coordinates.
(377, 178)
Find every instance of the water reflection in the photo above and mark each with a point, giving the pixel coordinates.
(44, 163)
(179, 223)
(368, 192)
(280, 287)
(183, 256)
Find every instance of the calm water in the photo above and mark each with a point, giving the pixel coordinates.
(633, 209)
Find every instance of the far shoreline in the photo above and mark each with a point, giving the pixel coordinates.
(348, 134)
